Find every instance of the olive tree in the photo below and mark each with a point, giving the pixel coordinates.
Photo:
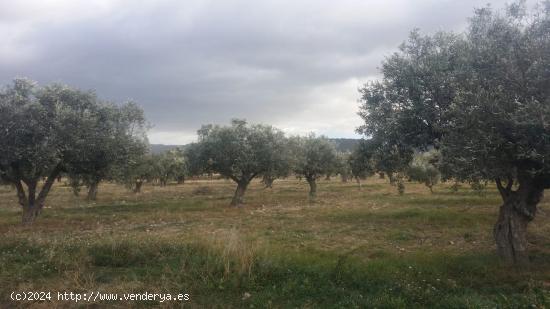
(47, 131)
(500, 117)
(117, 136)
(376, 155)
(278, 169)
(240, 152)
(343, 168)
(194, 162)
(170, 165)
(482, 99)
(179, 165)
(361, 162)
(139, 170)
(405, 110)
(315, 157)
(423, 168)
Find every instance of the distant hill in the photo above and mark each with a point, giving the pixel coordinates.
(160, 148)
(342, 145)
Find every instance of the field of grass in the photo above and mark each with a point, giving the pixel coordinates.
(352, 248)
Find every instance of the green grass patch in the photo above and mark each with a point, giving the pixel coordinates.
(221, 275)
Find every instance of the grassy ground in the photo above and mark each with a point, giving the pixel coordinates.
(352, 248)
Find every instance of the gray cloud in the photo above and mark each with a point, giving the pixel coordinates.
(294, 64)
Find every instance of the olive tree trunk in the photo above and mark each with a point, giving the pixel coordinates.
(392, 179)
(358, 182)
(312, 188)
(430, 186)
(28, 201)
(238, 197)
(268, 182)
(92, 191)
(31, 202)
(519, 208)
(30, 213)
(137, 186)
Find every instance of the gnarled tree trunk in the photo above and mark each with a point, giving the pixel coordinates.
(268, 182)
(137, 186)
(312, 188)
(238, 197)
(392, 179)
(519, 208)
(30, 213)
(431, 187)
(92, 191)
(31, 202)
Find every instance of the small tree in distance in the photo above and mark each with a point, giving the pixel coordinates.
(170, 165)
(137, 171)
(361, 162)
(277, 169)
(240, 152)
(344, 169)
(315, 157)
(423, 169)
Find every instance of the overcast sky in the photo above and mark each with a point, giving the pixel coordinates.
(294, 64)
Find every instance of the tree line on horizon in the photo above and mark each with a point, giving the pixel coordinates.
(471, 107)
(56, 131)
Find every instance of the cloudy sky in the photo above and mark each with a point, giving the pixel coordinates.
(294, 64)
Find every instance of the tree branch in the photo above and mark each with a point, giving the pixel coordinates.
(504, 192)
(235, 179)
(23, 201)
(510, 184)
(48, 185)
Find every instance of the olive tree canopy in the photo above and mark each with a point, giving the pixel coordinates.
(482, 99)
